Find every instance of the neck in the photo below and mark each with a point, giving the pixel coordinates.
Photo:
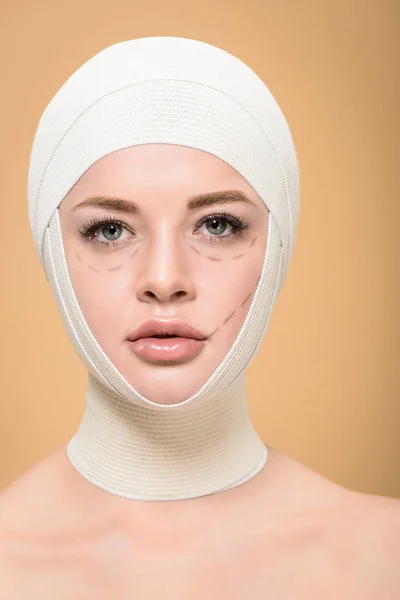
(166, 452)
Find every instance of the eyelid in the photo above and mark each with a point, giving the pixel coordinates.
(239, 221)
(92, 225)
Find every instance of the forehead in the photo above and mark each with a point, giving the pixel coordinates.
(150, 169)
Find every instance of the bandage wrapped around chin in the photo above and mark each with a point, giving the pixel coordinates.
(165, 90)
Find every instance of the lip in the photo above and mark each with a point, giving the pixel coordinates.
(162, 327)
(166, 350)
(187, 343)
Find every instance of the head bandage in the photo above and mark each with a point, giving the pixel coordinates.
(170, 91)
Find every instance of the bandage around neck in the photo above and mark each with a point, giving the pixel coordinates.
(165, 90)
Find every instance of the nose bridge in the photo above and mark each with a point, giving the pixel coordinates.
(164, 268)
(164, 248)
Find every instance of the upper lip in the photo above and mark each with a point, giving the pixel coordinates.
(156, 327)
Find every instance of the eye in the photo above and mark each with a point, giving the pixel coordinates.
(216, 226)
(110, 229)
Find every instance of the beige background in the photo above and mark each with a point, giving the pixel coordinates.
(324, 388)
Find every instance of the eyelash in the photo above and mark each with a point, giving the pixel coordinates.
(88, 229)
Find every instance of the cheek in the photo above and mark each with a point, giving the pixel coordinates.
(224, 291)
(225, 295)
(100, 296)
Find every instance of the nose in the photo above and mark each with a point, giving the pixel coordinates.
(165, 274)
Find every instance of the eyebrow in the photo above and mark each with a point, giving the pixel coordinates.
(194, 202)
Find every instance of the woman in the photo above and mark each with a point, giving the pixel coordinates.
(164, 202)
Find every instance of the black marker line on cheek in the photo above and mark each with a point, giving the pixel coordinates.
(230, 317)
(248, 295)
(116, 268)
(235, 311)
(215, 330)
(112, 269)
(212, 258)
(220, 259)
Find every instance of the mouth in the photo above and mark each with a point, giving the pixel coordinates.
(166, 348)
(166, 341)
(163, 337)
(159, 329)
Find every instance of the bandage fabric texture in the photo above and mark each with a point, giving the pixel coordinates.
(165, 90)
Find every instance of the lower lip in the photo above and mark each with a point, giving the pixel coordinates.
(167, 349)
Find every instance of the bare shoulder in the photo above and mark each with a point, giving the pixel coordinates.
(32, 499)
(377, 518)
(367, 535)
(49, 501)
(355, 536)
(42, 512)
(23, 507)
(359, 536)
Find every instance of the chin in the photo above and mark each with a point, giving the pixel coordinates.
(164, 383)
(171, 388)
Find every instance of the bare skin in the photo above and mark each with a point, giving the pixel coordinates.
(287, 532)
(164, 261)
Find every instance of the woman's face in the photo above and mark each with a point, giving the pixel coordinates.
(145, 238)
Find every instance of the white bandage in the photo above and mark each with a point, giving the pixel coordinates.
(171, 91)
